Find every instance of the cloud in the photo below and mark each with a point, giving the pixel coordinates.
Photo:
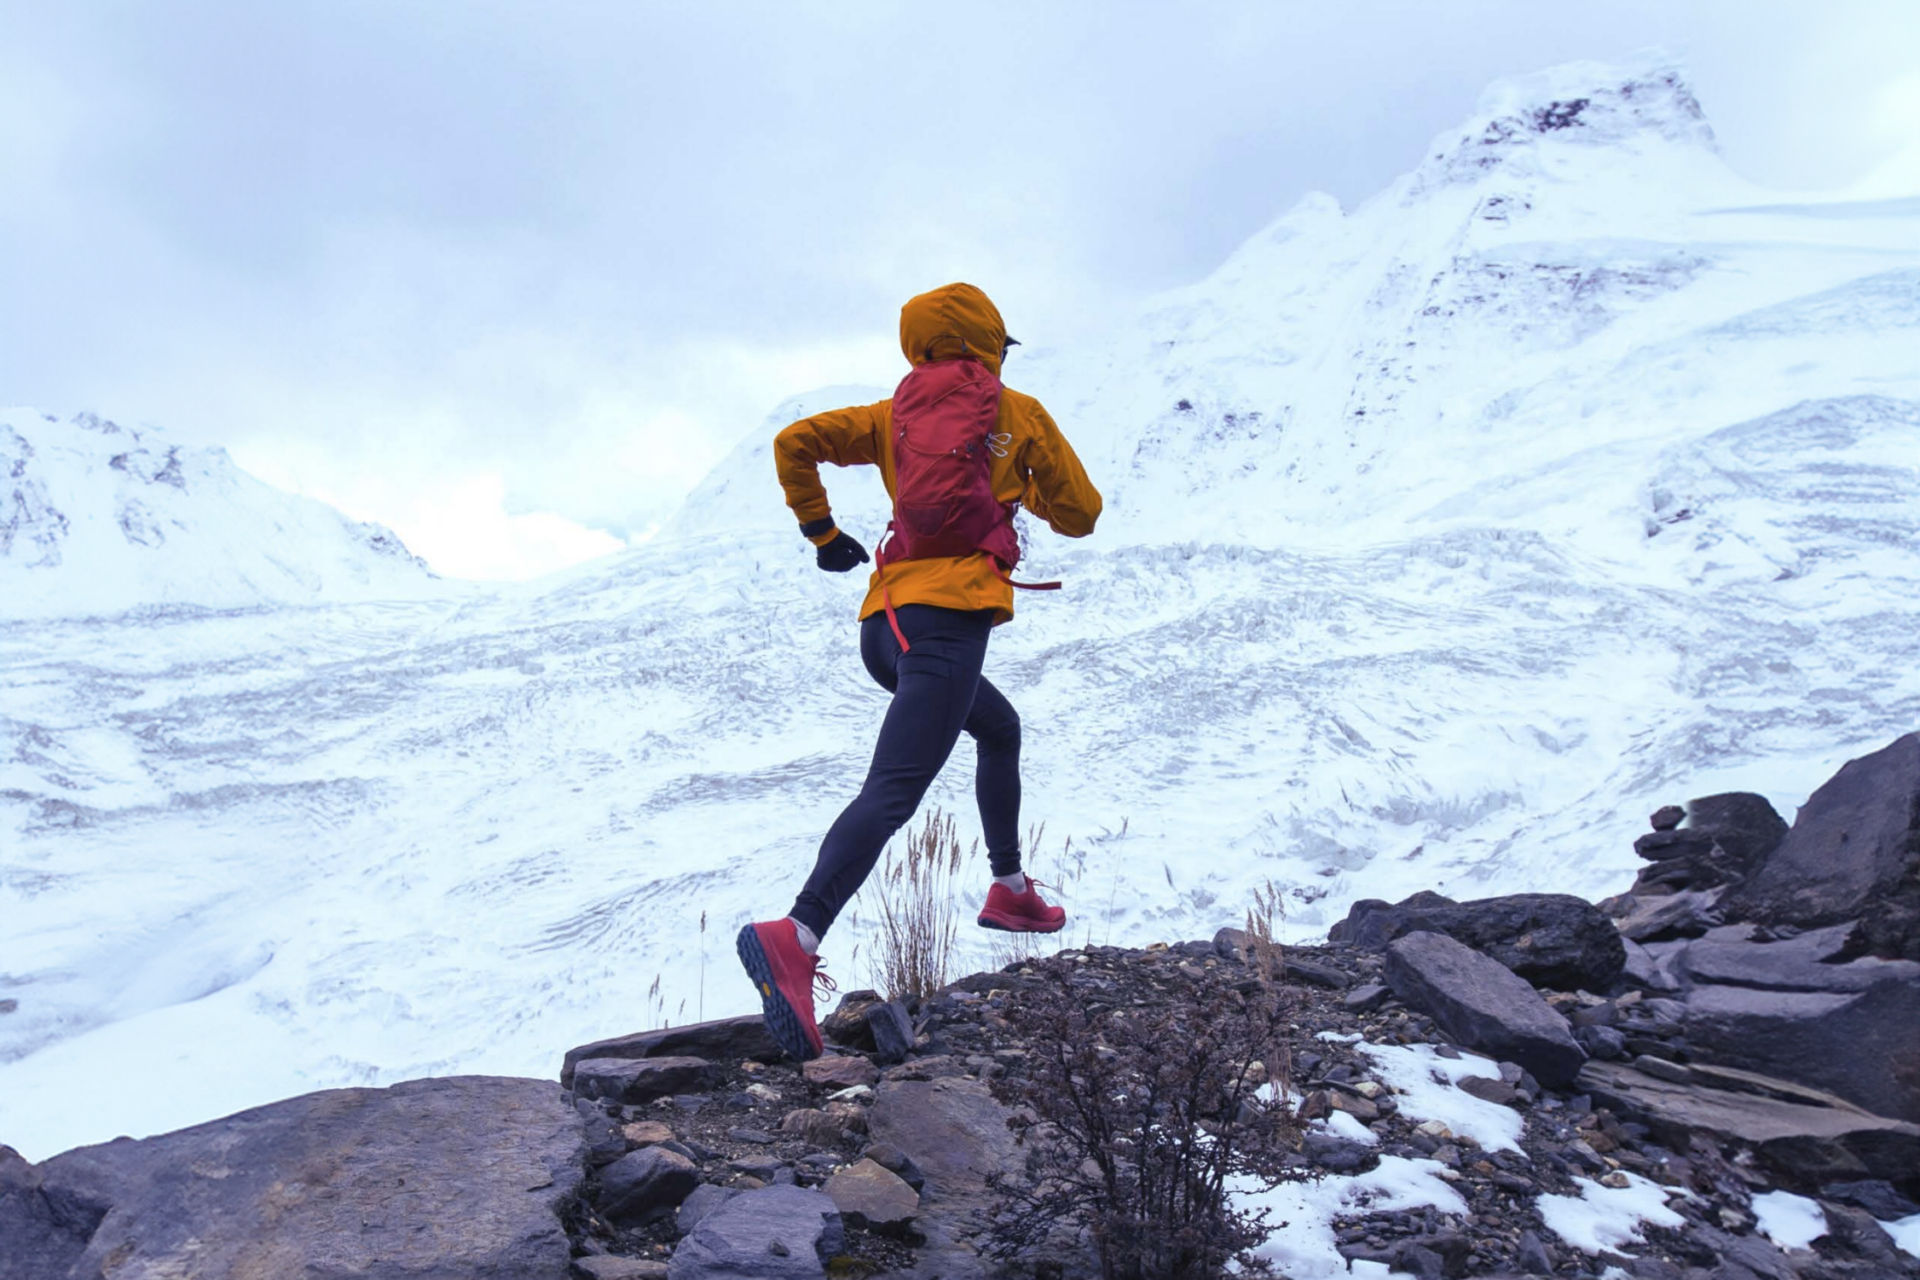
(585, 247)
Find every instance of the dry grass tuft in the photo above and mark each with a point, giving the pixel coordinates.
(917, 922)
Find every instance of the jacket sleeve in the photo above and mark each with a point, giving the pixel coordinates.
(844, 437)
(1058, 490)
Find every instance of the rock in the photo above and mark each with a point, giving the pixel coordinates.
(461, 1175)
(1664, 845)
(1553, 939)
(1600, 1042)
(892, 1031)
(818, 1128)
(871, 1196)
(1744, 825)
(641, 1080)
(840, 1073)
(606, 1266)
(724, 1038)
(1667, 817)
(779, 1233)
(894, 1160)
(703, 1200)
(1863, 1046)
(1482, 1004)
(1301, 972)
(646, 1133)
(1802, 1141)
(847, 1024)
(1878, 1198)
(1852, 854)
(1809, 961)
(1372, 923)
(1687, 914)
(1367, 998)
(952, 1129)
(1489, 1089)
(644, 1185)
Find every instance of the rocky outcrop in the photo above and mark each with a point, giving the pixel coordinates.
(463, 1176)
(779, 1233)
(1483, 1005)
(743, 1037)
(1551, 939)
(1853, 855)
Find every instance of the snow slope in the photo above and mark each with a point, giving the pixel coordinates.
(1446, 538)
(102, 519)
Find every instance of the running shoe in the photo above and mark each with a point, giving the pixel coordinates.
(785, 976)
(1021, 912)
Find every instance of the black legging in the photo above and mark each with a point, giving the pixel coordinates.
(937, 691)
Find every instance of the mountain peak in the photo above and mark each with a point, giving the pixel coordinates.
(1577, 103)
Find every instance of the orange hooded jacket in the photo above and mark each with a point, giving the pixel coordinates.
(1039, 469)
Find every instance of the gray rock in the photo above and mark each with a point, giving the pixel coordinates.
(892, 1031)
(1650, 968)
(640, 1080)
(1687, 914)
(1877, 1197)
(1809, 961)
(1481, 1004)
(1600, 1042)
(1364, 999)
(724, 1038)
(779, 1233)
(1803, 1141)
(1852, 854)
(1860, 1045)
(1745, 826)
(704, 1199)
(953, 1130)
(644, 1185)
(1553, 939)
(871, 1196)
(458, 1176)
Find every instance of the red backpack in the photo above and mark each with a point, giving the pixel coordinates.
(944, 444)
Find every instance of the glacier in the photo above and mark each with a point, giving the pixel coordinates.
(1447, 536)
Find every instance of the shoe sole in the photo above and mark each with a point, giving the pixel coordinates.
(988, 922)
(782, 1022)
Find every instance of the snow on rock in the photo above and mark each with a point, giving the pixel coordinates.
(1426, 1085)
(1602, 1218)
(1446, 537)
(1790, 1221)
(1306, 1249)
(98, 519)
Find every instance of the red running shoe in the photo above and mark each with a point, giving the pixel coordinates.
(785, 975)
(1021, 912)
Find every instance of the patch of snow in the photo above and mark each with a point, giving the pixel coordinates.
(1343, 1125)
(1905, 1233)
(1427, 1087)
(1601, 1218)
(1301, 1214)
(1790, 1221)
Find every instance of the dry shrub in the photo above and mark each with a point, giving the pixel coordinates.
(913, 949)
(1133, 1121)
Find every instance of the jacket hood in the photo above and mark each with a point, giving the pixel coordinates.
(953, 320)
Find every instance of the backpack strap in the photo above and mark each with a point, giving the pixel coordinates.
(1024, 586)
(893, 620)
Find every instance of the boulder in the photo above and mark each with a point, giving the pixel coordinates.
(457, 1176)
(1862, 1045)
(1553, 939)
(777, 1233)
(1804, 1141)
(724, 1038)
(847, 1024)
(953, 1130)
(703, 1200)
(644, 1185)
(1686, 914)
(1745, 826)
(871, 1196)
(1481, 1004)
(636, 1081)
(1810, 961)
(1852, 854)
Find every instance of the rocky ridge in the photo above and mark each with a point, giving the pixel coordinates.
(1690, 1042)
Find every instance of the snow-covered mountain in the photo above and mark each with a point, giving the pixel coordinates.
(1570, 475)
(102, 519)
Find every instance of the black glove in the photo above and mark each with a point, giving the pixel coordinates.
(841, 554)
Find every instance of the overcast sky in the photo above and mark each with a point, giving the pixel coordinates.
(510, 277)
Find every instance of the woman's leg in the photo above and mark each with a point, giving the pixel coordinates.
(934, 686)
(995, 728)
